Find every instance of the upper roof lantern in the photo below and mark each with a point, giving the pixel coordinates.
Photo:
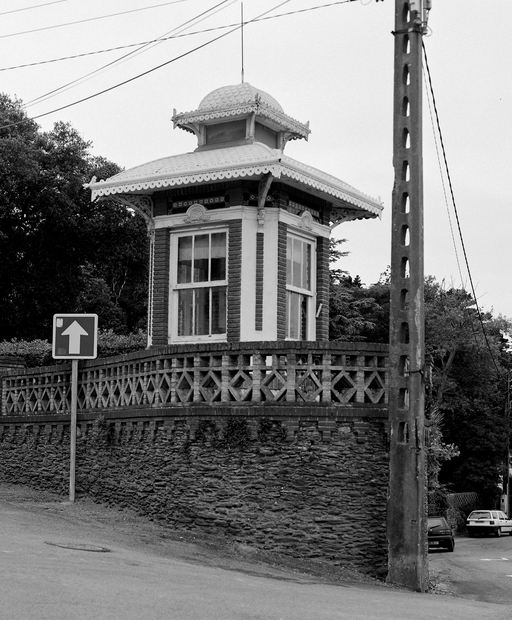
(226, 96)
(247, 105)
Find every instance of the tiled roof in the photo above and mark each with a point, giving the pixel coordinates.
(233, 95)
(246, 161)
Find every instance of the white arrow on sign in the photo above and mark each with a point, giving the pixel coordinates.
(75, 331)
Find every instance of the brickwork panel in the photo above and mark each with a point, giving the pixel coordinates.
(260, 240)
(281, 280)
(161, 288)
(234, 280)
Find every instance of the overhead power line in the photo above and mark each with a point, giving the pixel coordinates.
(89, 19)
(168, 38)
(143, 48)
(35, 6)
(461, 237)
(136, 77)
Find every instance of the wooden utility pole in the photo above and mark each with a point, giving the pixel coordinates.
(406, 514)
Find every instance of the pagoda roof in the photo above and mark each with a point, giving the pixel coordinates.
(239, 100)
(249, 161)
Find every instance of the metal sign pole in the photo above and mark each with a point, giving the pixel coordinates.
(72, 451)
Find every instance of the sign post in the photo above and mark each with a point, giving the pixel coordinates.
(75, 337)
(72, 451)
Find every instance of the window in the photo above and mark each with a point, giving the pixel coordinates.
(299, 288)
(201, 283)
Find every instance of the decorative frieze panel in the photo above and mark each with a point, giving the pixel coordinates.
(270, 373)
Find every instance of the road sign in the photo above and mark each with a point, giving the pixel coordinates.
(75, 336)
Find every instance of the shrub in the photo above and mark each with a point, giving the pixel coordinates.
(39, 352)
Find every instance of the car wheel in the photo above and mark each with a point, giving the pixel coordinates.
(471, 534)
(498, 532)
(451, 546)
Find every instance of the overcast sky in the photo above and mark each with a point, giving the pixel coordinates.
(332, 66)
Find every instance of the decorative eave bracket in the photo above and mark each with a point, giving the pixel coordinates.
(263, 189)
(141, 203)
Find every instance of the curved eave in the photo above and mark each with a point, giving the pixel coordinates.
(327, 186)
(283, 168)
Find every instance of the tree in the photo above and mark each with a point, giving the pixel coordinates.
(60, 252)
(465, 401)
(356, 312)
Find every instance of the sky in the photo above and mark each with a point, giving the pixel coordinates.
(331, 66)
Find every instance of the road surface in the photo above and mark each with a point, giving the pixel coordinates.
(61, 561)
(479, 569)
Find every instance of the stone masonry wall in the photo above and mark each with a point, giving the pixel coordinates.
(309, 486)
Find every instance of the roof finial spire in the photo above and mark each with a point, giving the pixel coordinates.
(242, 36)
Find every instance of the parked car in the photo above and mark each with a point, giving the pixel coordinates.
(488, 522)
(440, 534)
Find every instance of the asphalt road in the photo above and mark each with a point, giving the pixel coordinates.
(479, 569)
(61, 561)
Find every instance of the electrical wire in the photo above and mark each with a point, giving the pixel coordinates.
(136, 77)
(463, 245)
(35, 6)
(436, 144)
(165, 38)
(261, 17)
(142, 48)
(89, 19)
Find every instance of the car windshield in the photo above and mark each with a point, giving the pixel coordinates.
(480, 514)
(435, 523)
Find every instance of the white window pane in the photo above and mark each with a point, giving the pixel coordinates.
(218, 257)
(289, 249)
(218, 310)
(201, 258)
(202, 311)
(297, 263)
(297, 316)
(185, 312)
(184, 260)
(293, 315)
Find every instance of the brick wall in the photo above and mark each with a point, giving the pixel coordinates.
(310, 484)
(258, 310)
(322, 288)
(281, 280)
(161, 288)
(234, 280)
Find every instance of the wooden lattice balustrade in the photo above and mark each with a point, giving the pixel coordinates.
(213, 374)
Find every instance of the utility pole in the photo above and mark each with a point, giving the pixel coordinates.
(406, 518)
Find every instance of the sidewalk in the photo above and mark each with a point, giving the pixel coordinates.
(83, 561)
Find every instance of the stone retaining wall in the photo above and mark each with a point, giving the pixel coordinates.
(309, 483)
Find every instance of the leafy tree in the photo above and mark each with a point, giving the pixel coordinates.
(356, 312)
(470, 360)
(465, 402)
(60, 252)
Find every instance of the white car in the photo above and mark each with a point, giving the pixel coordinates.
(488, 522)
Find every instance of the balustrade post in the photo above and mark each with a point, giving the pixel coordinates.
(291, 376)
(257, 364)
(326, 376)
(158, 365)
(360, 379)
(224, 389)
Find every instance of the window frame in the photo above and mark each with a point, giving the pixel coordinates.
(308, 295)
(175, 286)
